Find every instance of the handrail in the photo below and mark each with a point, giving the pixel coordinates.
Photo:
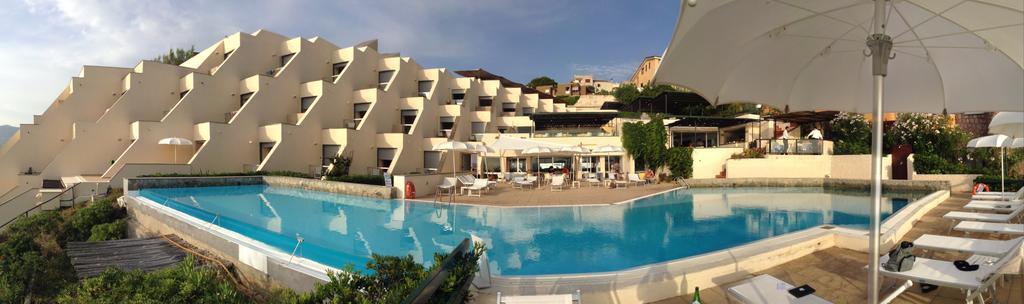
(429, 286)
(17, 196)
(39, 205)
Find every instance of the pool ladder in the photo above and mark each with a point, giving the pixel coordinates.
(298, 241)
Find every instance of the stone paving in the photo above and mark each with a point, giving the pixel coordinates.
(839, 275)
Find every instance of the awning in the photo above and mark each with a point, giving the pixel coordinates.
(804, 117)
(518, 144)
(707, 121)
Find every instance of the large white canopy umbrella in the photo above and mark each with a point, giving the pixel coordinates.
(947, 56)
(453, 146)
(175, 141)
(995, 141)
(575, 151)
(483, 149)
(1008, 123)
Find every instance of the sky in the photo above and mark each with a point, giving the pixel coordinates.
(46, 42)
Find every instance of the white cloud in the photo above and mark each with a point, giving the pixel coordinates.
(48, 41)
(618, 72)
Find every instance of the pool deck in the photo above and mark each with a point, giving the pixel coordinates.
(505, 195)
(839, 275)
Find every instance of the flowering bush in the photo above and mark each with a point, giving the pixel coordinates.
(750, 153)
(851, 134)
(939, 146)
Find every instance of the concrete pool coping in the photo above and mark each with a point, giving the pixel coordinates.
(644, 283)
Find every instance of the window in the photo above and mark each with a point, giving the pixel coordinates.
(527, 111)
(408, 117)
(695, 139)
(423, 87)
(305, 103)
(431, 160)
(182, 94)
(244, 98)
(523, 130)
(286, 58)
(383, 78)
(514, 164)
(458, 95)
(384, 158)
(486, 101)
(613, 164)
(328, 152)
(265, 148)
(337, 68)
(447, 123)
(467, 162)
(228, 53)
(508, 108)
(479, 127)
(502, 130)
(359, 111)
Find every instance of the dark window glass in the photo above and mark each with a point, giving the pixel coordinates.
(486, 101)
(305, 103)
(242, 99)
(337, 68)
(286, 58)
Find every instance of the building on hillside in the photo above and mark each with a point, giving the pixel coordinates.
(265, 102)
(580, 85)
(645, 71)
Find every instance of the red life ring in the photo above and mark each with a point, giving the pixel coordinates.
(410, 190)
(979, 187)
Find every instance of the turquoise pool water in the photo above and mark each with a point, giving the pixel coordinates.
(340, 229)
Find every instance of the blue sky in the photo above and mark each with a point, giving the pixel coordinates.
(45, 42)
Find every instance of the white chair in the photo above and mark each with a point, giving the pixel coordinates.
(466, 180)
(766, 289)
(558, 182)
(635, 179)
(592, 179)
(447, 185)
(573, 298)
(478, 185)
(944, 273)
(983, 227)
(526, 181)
(614, 179)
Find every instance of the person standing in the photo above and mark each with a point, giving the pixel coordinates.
(817, 137)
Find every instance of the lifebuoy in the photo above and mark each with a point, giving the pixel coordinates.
(410, 190)
(979, 187)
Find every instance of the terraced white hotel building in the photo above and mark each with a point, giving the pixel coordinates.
(262, 101)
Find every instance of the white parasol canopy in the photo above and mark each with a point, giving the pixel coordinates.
(995, 141)
(1017, 143)
(1008, 123)
(453, 146)
(539, 150)
(608, 149)
(518, 144)
(939, 56)
(175, 141)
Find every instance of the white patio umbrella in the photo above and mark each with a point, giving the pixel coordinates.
(947, 56)
(1008, 123)
(175, 141)
(995, 141)
(1017, 143)
(608, 149)
(575, 151)
(453, 146)
(483, 149)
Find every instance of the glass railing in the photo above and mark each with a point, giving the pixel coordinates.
(573, 133)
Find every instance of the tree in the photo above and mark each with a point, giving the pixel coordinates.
(851, 134)
(656, 89)
(567, 100)
(645, 142)
(541, 81)
(177, 56)
(626, 93)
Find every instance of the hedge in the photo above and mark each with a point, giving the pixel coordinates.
(680, 162)
(359, 179)
(1012, 184)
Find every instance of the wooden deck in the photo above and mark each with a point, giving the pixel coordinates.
(149, 254)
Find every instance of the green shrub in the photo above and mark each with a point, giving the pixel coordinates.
(934, 164)
(31, 261)
(680, 162)
(109, 231)
(359, 179)
(94, 213)
(750, 153)
(189, 282)
(851, 134)
(214, 174)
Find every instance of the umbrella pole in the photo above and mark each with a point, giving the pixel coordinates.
(880, 45)
(1002, 169)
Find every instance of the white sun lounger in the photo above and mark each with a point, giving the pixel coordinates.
(558, 182)
(573, 298)
(982, 217)
(447, 185)
(993, 206)
(983, 227)
(999, 196)
(478, 185)
(766, 289)
(944, 273)
(995, 248)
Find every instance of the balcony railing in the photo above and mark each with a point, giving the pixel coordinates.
(792, 146)
(578, 133)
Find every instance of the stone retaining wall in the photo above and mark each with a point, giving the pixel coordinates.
(827, 183)
(329, 186)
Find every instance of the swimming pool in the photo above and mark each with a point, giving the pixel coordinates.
(340, 229)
